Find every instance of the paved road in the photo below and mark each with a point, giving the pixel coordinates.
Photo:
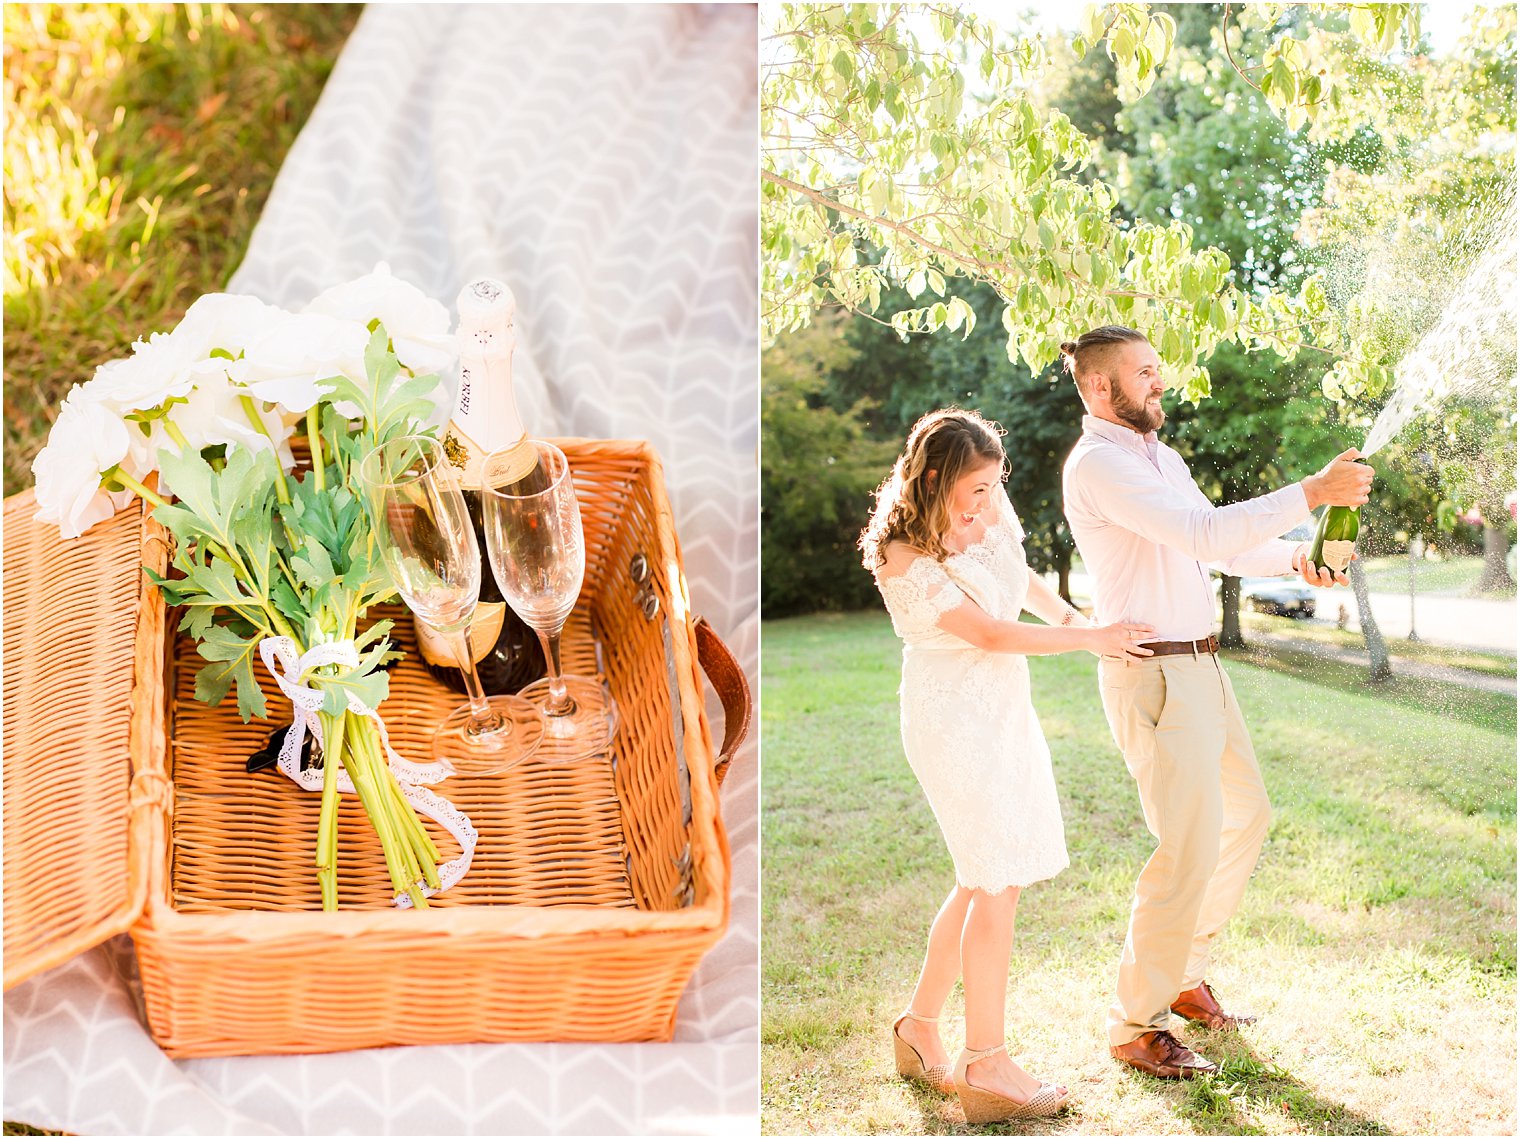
(1460, 622)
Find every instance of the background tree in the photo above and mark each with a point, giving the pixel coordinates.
(1430, 198)
(817, 472)
(1204, 147)
(868, 132)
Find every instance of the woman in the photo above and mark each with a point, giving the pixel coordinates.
(946, 551)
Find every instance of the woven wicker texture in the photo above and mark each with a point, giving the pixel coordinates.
(69, 639)
(591, 896)
(595, 889)
(60, 705)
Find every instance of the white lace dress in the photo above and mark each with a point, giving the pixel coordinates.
(968, 727)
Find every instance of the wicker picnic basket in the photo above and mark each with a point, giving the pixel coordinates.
(595, 889)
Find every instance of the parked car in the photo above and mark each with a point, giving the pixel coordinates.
(1282, 597)
(1279, 596)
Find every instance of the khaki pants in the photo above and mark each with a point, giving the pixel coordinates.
(1176, 721)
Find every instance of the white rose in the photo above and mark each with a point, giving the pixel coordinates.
(169, 364)
(227, 321)
(214, 414)
(285, 365)
(86, 440)
(417, 325)
(158, 369)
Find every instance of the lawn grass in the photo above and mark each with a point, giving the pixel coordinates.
(1449, 577)
(1377, 939)
(141, 141)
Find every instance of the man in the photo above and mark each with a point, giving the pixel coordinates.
(1145, 532)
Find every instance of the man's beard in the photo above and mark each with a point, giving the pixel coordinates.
(1136, 415)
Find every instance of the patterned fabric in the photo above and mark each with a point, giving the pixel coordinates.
(600, 160)
(968, 728)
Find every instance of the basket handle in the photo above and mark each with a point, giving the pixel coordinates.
(731, 685)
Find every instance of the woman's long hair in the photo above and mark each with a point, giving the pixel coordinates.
(912, 505)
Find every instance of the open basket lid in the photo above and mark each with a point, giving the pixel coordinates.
(82, 696)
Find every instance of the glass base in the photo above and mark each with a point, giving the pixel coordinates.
(516, 732)
(586, 730)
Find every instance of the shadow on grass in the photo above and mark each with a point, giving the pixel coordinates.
(1491, 710)
(1249, 1087)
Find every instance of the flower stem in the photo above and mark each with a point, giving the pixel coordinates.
(127, 482)
(176, 434)
(281, 490)
(327, 823)
(422, 854)
(314, 437)
(378, 810)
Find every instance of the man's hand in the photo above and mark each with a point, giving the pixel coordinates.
(1343, 482)
(1321, 577)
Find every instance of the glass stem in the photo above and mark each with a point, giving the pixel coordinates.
(480, 711)
(560, 703)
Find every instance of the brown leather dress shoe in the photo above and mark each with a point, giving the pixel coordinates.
(1199, 1004)
(1162, 1055)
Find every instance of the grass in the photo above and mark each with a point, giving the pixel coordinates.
(1449, 577)
(1377, 939)
(141, 142)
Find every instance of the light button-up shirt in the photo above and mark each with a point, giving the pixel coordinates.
(1146, 532)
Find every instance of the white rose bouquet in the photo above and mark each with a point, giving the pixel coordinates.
(267, 562)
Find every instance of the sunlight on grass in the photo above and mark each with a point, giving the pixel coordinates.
(1377, 939)
(141, 142)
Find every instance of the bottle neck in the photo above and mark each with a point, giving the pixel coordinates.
(485, 418)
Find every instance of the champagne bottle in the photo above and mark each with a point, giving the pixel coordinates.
(507, 652)
(1335, 537)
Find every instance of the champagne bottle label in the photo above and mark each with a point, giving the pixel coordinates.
(485, 418)
(485, 627)
(1337, 555)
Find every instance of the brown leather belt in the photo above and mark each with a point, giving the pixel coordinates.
(1209, 644)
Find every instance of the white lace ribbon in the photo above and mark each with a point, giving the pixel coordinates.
(287, 665)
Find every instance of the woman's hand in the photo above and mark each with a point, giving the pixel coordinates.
(1121, 639)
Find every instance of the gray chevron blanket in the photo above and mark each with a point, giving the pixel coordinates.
(602, 161)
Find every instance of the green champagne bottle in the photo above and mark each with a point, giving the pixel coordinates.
(1335, 537)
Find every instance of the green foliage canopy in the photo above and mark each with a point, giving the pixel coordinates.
(911, 128)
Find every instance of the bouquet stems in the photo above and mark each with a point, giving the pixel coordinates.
(411, 857)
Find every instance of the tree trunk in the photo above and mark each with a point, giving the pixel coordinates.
(1063, 573)
(1229, 600)
(1495, 577)
(1377, 648)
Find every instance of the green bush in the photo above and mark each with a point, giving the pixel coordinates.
(817, 472)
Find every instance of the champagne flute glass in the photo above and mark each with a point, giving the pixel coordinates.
(538, 554)
(423, 534)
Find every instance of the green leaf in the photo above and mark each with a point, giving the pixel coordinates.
(372, 688)
(313, 566)
(1092, 22)
(231, 660)
(1219, 316)
(1122, 43)
(843, 66)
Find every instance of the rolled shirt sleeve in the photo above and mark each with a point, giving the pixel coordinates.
(1180, 516)
(1146, 532)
